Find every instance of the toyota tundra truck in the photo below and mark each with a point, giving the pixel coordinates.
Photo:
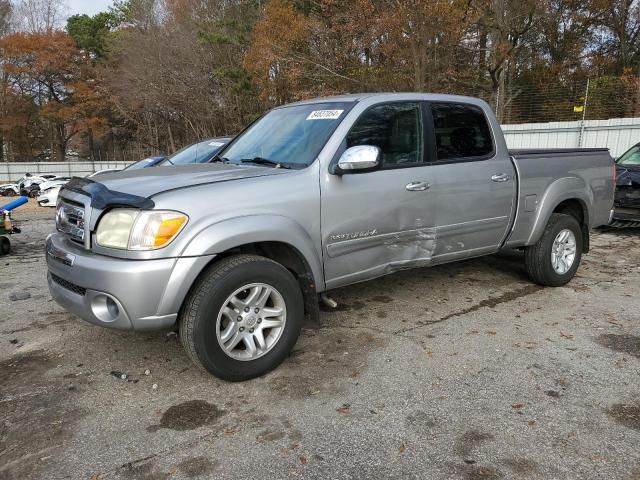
(313, 196)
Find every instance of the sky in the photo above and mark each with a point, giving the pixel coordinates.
(90, 7)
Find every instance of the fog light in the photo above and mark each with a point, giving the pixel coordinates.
(105, 308)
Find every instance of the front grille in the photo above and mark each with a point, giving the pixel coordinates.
(70, 220)
(72, 287)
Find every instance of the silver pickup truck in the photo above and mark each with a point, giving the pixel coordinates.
(312, 196)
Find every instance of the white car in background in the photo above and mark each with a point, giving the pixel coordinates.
(9, 190)
(49, 191)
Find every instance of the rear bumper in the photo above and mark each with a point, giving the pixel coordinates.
(117, 293)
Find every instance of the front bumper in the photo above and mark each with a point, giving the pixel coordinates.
(117, 293)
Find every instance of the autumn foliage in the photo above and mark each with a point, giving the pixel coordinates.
(52, 80)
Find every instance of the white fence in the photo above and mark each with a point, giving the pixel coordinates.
(10, 172)
(616, 134)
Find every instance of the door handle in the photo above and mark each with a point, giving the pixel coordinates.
(417, 186)
(500, 177)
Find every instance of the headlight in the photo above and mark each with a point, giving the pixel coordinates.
(130, 229)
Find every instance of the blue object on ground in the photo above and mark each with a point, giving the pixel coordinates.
(15, 204)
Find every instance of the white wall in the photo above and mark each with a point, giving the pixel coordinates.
(10, 172)
(616, 134)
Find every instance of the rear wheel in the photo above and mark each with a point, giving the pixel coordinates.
(555, 258)
(242, 318)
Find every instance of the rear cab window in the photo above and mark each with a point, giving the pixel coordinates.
(461, 132)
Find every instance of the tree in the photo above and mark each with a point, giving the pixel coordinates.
(189, 61)
(39, 16)
(425, 36)
(91, 34)
(277, 55)
(620, 30)
(49, 69)
(505, 29)
(6, 11)
(5, 26)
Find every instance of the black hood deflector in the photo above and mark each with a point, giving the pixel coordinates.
(102, 197)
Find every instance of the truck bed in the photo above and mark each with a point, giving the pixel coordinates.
(548, 176)
(528, 152)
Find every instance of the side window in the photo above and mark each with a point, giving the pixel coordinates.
(394, 127)
(461, 131)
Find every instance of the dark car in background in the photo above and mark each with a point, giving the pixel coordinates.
(200, 152)
(627, 200)
(146, 163)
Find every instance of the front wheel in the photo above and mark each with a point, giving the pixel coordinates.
(555, 258)
(242, 317)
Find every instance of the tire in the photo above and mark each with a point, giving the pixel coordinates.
(201, 318)
(538, 257)
(5, 246)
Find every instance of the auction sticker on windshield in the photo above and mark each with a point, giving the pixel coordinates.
(325, 114)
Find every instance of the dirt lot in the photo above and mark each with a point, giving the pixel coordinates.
(461, 371)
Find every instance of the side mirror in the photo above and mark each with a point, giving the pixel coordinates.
(358, 159)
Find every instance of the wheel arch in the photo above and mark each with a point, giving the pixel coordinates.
(569, 196)
(277, 238)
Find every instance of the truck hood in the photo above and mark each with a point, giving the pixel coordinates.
(152, 181)
(135, 188)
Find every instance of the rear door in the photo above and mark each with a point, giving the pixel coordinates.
(475, 185)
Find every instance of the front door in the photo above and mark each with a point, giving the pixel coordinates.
(376, 222)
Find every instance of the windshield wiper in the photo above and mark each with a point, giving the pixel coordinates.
(264, 161)
(218, 158)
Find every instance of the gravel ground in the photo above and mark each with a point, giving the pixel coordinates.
(461, 371)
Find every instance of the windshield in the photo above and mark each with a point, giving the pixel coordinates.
(631, 158)
(200, 152)
(288, 136)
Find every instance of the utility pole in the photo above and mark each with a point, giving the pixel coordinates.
(584, 115)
